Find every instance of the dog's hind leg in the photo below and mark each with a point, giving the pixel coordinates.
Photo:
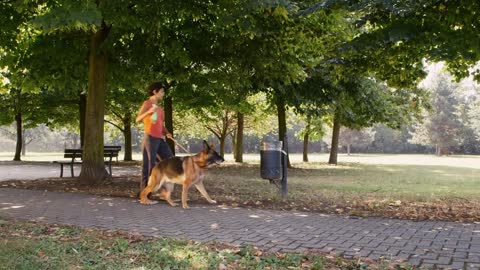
(143, 196)
(204, 193)
(150, 188)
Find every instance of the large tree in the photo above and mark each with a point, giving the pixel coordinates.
(442, 124)
(15, 45)
(110, 26)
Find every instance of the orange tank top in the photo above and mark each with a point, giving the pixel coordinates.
(151, 128)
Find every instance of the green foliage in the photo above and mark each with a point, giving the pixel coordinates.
(67, 16)
(357, 101)
(202, 122)
(37, 67)
(398, 35)
(122, 105)
(314, 127)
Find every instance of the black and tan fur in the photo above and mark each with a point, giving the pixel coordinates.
(186, 171)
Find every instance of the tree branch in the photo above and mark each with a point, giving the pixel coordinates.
(323, 5)
(115, 125)
(214, 132)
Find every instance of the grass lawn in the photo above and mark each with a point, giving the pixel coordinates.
(392, 181)
(414, 190)
(418, 177)
(26, 245)
(404, 186)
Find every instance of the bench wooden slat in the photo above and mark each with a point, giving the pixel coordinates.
(112, 147)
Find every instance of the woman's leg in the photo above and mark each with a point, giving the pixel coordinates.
(150, 148)
(145, 162)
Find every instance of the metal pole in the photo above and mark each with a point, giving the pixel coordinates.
(284, 167)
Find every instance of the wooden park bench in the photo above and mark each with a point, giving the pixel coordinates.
(75, 157)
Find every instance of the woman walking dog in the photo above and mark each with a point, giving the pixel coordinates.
(152, 115)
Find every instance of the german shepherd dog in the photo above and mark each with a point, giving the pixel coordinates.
(186, 171)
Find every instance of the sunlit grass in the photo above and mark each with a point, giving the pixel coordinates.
(422, 182)
(25, 245)
(407, 180)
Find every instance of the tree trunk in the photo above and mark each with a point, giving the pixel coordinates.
(335, 137)
(348, 149)
(168, 108)
(282, 125)
(222, 144)
(234, 144)
(18, 147)
(239, 138)
(127, 135)
(305, 140)
(93, 168)
(305, 147)
(24, 145)
(82, 111)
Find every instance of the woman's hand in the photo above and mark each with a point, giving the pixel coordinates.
(152, 109)
(144, 112)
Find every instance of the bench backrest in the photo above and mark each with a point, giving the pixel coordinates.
(72, 153)
(113, 147)
(109, 151)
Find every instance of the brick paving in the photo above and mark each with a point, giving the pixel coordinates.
(428, 244)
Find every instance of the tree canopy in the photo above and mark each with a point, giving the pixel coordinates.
(358, 61)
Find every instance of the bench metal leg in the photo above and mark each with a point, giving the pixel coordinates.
(61, 170)
(71, 167)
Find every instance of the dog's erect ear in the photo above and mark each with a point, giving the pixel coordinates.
(205, 146)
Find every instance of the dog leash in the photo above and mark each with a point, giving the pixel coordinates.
(181, 146)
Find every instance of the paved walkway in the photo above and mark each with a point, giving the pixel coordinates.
(425, 244)
(10, 170)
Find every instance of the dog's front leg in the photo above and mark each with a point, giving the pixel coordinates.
(184, 195)
(167, 192)
(204, 193)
